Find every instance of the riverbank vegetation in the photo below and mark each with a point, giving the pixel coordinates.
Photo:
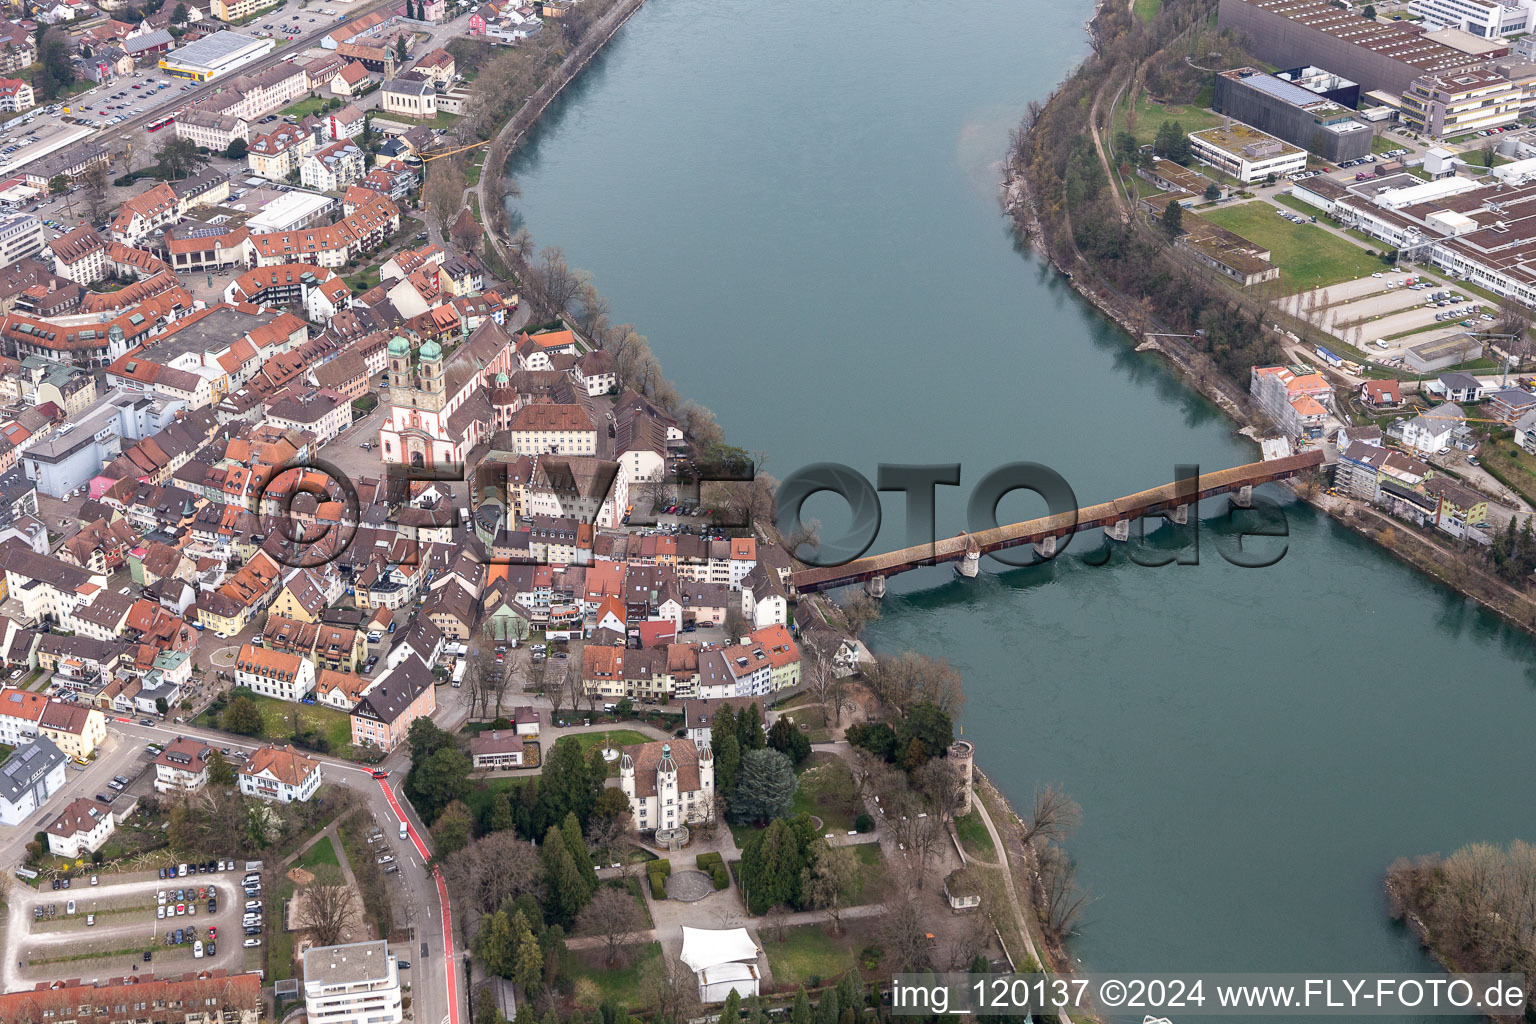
(1475, 910)
(1082, 218)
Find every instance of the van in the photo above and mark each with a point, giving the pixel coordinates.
(610, 708)
(405, 831)
(1380, 343)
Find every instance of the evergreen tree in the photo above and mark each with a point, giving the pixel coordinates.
(727, 764)
(724, 725)
(494, 945)
(563, 880)
(749, 729)
(850, 994)
(1173, 220)
(731, 1013)
(528, 960)
(765, 787)
(570, 830)
(500, 817)
(827, 1007)
(788, 740)
(801, 1014)
(568, 784)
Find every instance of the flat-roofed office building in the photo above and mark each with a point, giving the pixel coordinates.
(356, 983)
(1292, 114)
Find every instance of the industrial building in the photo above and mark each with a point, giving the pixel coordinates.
(1246, 153)
(1325, 84)
(1291, 113)
(1489, 19)
(1378, 55)
(217, 56)
(1460, 102)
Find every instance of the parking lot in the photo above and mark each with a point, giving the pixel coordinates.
(1384, 308)
(121, 926)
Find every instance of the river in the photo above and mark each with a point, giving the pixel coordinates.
(797, 203)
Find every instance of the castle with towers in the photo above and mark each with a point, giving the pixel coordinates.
(668, 783)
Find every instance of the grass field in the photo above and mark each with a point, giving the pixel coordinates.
(1308, 256)
(618, 737)
(305, 107)
(1146, 10)
(826, 790)
(277, 720)
(807, 952)
(620, 983)
(974, 837)
(323, 852)
(871, 873)
(1150, 115)
(1516, 468)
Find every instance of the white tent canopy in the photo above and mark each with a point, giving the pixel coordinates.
(708, 947)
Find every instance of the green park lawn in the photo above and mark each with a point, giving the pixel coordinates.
(621, 982)
(305, 107)
(1308, 256)
(277, 721)
(807, 952)
(1150, 115)
(826, 790)
(323, 852)
(1146, 10)
(974, 836)
(617, 737)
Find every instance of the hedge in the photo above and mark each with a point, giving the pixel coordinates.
(664, 866)
(658, 885)
(707, 861)
(722, 878)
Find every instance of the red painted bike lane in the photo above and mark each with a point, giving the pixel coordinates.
(442, 896)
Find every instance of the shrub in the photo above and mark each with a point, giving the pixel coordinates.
(658, 885)
(664, 866)
(864, 823)
(722, 879)
(708, 861)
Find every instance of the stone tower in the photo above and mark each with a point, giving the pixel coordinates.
(400, 378)
(962, 754)
(430, 378)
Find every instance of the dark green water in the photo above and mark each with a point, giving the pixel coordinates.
(797, 203)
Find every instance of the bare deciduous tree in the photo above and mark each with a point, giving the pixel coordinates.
(1053, 817)
(328, 906)
(1062, 899)
(612, 914)
(671, 987)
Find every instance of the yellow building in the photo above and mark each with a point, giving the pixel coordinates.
(75, 730)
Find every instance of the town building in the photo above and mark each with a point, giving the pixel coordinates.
(356, 983)
(383, 715)
(16, 95)
(81, 829)
(498, 749)
(204, 997)
(1298, 405)
(182, 767)
(274, 673)
(33, 773)
(410, 94)
(280, 774)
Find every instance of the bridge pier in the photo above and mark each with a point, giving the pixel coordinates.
(1179, 515)
(1243, 496)
(1045, 547)
(1120, 531)
(969, 565)
(875, 586)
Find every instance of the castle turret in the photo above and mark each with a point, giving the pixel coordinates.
(962, 754)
